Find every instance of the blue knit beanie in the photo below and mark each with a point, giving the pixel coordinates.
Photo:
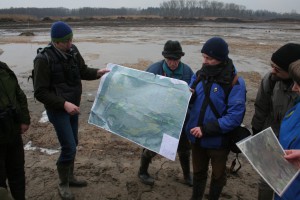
(216, 48)
(61, 32)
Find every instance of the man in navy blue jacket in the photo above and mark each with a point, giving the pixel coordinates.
(172, 67)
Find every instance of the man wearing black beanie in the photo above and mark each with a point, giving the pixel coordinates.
(274, 98)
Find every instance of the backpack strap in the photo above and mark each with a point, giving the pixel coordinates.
(211, 104)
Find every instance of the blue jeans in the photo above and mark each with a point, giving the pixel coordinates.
(66, 127)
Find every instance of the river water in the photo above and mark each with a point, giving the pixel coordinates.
(251, 45)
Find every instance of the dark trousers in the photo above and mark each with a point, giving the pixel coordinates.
(12, 167)
(218, 159)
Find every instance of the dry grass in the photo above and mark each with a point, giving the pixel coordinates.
(16, 18)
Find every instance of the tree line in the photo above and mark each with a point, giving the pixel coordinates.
(171, 9)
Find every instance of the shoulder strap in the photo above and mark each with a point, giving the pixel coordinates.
(227, 92)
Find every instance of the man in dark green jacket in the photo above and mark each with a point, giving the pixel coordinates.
(14, 121)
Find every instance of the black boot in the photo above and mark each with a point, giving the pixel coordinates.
(214, 191)
(17, 185)
(73, 181)
(184, 158)
(63, 186)
(143, 171)
(198, 189)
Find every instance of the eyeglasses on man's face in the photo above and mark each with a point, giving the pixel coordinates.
(276, 68)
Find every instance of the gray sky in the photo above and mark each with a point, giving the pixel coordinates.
(271, 5)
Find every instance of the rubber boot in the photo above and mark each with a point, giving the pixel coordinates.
(198, 189)
(73, 181)
(17, 185)
(4, 194)
(184, 158)
(214, 191)
(63, 186)
(143, 171)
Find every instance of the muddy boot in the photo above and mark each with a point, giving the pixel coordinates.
(143, 171)
(73, 181)
(184, 158)
(214, 191)
(63, 186)
(4, 194)
(198, 189)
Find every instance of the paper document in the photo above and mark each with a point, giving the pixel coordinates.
(144, 108)
(265, 154)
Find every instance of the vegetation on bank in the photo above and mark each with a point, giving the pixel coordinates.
(183, 9)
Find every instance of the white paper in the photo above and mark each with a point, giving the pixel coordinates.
(167, 147)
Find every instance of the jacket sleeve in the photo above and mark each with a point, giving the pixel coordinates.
(42, 87)
(262, 104)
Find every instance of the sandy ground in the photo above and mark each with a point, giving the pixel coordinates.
(110, 163)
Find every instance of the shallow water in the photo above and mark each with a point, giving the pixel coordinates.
(100, 45)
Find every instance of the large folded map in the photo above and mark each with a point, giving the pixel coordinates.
(144, 108)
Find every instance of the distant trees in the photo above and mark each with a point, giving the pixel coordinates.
(171, 8)
(205, 8)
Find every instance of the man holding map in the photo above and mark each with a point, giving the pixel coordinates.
(171, 66)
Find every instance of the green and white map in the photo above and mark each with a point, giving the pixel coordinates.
(144, 108)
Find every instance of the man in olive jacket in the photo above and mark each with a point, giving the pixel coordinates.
(14, 121)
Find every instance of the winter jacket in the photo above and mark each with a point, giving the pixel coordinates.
(274, 98)
(289, 139)
(157, 68)
(13, 105)
(231, 111)
(58, 75)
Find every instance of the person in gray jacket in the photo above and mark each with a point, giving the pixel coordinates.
(170, 66)
(274, 98)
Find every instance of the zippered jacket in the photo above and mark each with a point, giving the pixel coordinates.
(289, 138)
(13, 105)
(231, 109)
(274, 98)
(57, 77)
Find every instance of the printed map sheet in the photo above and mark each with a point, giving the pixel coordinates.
(144, 108)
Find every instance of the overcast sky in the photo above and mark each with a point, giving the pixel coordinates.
(271, 5)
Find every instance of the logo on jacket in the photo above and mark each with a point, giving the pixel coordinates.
(215, 89)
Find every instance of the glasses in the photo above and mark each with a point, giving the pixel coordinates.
(276, 68)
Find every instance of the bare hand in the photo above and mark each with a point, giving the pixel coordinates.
(24, 128)
(293, 156)
(101, 72)
(196, 132)
(71, 108)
